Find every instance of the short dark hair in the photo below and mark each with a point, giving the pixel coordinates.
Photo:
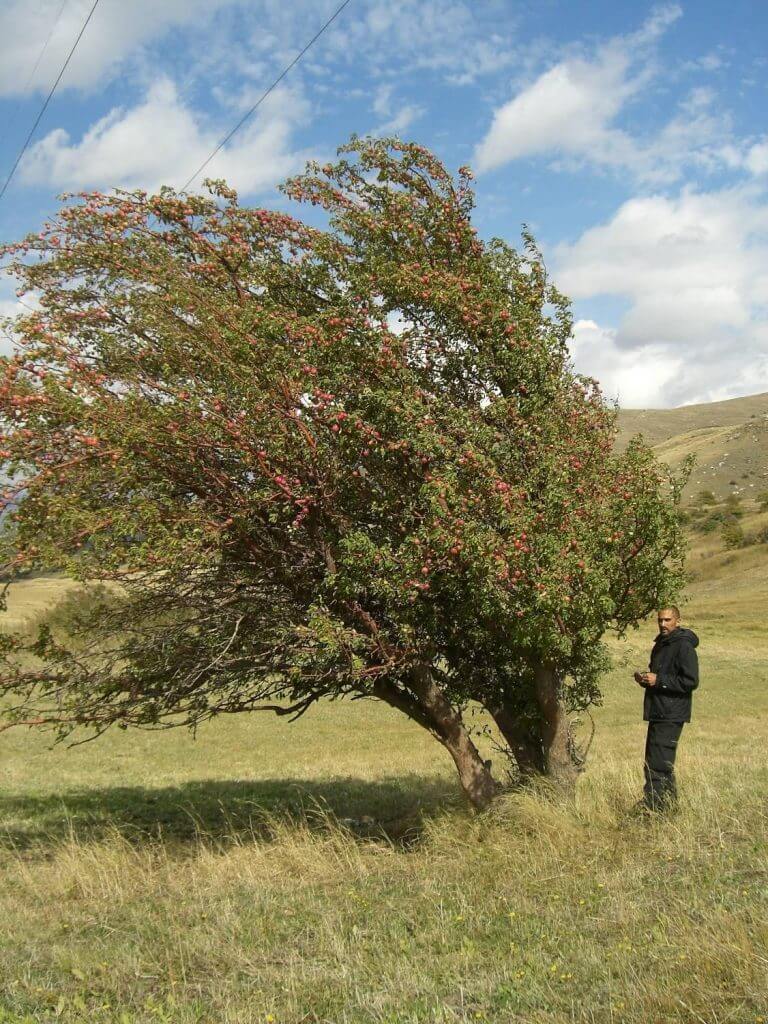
(671, 608)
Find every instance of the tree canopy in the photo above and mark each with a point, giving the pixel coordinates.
(341, 461)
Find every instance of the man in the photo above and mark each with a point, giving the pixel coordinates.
(673, 676)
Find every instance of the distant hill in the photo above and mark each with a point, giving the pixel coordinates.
(660, 424)
(729, 440)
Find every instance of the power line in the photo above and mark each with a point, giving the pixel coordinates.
(48, 99)
(261, 99)
(12, 119)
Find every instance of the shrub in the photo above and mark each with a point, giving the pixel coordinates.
(705, 497)
(733, 535)
(710, 521)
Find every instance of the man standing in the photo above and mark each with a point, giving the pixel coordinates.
(673, 676)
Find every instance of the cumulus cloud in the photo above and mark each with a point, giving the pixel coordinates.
(162, 142)
(636, 378)
(694, 270)
(567, 109)
(571, 113)
(115, 31)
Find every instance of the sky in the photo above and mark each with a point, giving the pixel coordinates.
(631, 138)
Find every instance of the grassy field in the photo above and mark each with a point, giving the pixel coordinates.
(328, 871)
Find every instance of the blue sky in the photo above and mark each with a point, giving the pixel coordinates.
(631, 138)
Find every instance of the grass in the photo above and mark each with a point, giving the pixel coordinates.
(658, 425)
(327, 871)
(729, 440)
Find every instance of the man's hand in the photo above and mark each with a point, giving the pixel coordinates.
(645, 678)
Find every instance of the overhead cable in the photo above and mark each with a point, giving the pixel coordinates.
(48, 99)
(264, 95)
(11, 120)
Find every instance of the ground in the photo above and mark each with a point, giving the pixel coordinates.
(328, 870)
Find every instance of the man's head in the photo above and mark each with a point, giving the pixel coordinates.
(669, 619)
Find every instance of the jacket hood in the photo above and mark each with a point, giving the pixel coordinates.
(681, 633)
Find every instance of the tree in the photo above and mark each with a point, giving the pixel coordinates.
(342, 462)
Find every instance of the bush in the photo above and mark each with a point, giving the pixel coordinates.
(706, 498)
(732, 535)
(733, 505)
(709, 521)
(762, 501)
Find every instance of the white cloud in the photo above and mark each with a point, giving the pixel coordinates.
(458, 39)
(694, 269)
(11, 307)
(636, 378)
(712, 61)
(570, 113)
(162, 142)
(7, 309)
(398, 119)
(568, 109)
(115, 31)
(756, 160)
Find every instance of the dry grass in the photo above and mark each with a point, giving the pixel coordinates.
(150, 877)
(141, 881)
(659, 425)
(728, 439)
(537, 912)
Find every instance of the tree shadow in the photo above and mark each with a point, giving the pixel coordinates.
(224, 811)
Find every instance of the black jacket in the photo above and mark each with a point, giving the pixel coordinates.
(676, 665)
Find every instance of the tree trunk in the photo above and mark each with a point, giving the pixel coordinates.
(474, 773)
(430, 708)
(522, 741)
(558, 762)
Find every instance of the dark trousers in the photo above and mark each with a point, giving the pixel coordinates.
(660, 749)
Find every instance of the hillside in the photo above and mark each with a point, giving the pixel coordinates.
(729, 440)
(658, 425)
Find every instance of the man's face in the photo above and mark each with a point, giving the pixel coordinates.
(667, 620)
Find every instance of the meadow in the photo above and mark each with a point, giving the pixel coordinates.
(328, 870)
